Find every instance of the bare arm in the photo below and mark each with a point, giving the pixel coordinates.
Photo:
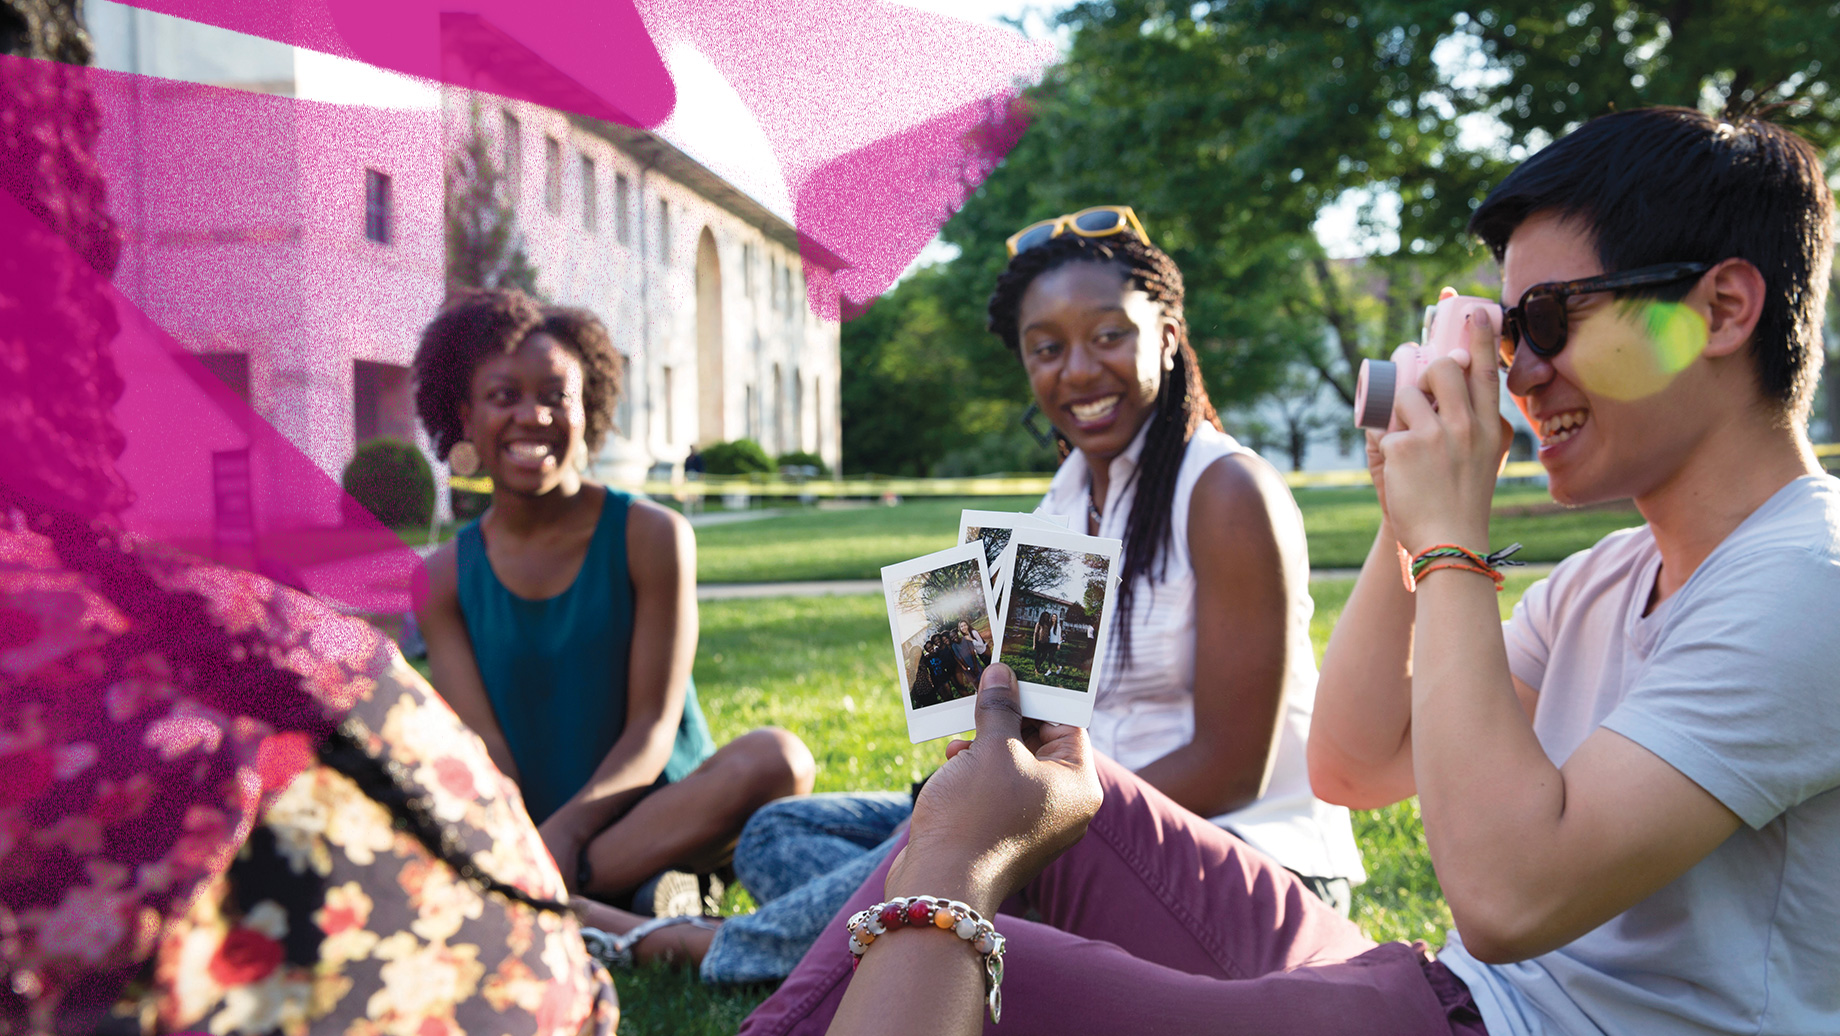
(450, 657)
(661, 555)
(1360, 749)
(1246, 540)
(1532, 856)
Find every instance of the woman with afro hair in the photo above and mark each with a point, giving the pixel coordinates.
(561, 624)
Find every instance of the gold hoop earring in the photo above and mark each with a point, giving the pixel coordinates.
(463, 459)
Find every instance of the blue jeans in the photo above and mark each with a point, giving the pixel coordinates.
(800, 858)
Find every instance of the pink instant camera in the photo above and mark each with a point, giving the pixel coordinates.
(1379, 380)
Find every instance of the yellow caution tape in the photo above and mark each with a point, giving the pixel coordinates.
(986, 485)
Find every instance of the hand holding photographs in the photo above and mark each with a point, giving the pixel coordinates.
(1043, 608)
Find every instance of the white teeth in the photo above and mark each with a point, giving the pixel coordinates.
(1094, 410)
(1561, 427)
(527, 450)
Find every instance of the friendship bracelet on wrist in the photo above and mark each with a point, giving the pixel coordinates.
(945, 914)
(1450, 555)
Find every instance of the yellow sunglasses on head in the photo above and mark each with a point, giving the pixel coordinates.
(1098, 221)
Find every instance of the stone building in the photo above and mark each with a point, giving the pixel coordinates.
(305, 284)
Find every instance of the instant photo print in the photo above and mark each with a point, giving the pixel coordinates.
(993, 529)
(1056, 615)
(940, 616)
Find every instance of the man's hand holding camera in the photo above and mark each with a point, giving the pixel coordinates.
(1438, 470)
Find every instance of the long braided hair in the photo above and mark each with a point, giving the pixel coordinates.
(1181, 403)
(59, 441)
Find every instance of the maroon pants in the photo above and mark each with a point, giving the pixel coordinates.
(1160, 922)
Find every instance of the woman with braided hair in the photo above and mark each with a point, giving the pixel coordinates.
(1211, 671)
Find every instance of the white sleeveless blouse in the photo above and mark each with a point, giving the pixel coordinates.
(1147, 710)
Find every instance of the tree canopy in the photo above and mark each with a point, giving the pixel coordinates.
(1232, 126)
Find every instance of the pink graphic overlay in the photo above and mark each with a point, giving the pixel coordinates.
(194, 330)
(230, 245)
(245, 303)
(871, 108)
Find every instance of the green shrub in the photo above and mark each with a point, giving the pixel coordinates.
(390, 479)
(802, 459)
(741, 457)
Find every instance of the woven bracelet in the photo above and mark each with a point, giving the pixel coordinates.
(1451, 555)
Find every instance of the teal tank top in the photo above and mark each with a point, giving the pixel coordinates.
(555, 670)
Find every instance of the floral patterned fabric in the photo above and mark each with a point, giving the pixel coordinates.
(169, 864)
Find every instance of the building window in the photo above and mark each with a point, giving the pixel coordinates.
(552, 174)
(785, 287)
(514, 157)
(383, 402)
(377, 206)
(622, 222)
(230, 368)
(670, 410)
(747, 270)
(751, 413)
(798, 411)
(590, 195)
(664, 232)
(779, 411)
(622, 412)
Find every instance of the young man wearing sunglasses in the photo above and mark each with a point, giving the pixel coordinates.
(1628, 788)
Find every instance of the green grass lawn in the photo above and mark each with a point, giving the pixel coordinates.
(823, 668)
(852, 544)
(855, 544)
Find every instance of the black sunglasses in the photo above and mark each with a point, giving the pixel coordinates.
(1541, 319)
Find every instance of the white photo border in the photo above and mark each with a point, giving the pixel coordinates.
(1043, 701)
(960, 714)
(1011, 520)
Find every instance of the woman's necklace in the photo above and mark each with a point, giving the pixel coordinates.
(1092, 509)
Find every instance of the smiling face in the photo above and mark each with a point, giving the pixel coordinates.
(1623, 406)
(525, 416)
(1095, 349)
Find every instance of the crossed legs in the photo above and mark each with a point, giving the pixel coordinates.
(692, 824)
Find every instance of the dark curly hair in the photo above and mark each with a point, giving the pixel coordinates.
(489, 322)
(1181, 404)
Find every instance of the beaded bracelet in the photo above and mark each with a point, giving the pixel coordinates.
(945, 914)
(1450, 555)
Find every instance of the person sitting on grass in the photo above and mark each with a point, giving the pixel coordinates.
(1211, 671)
(561, 624)
(1630, 789)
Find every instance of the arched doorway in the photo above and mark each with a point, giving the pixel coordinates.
(709, 395)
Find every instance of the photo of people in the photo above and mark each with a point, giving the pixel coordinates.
(1056, 599)
(939, 613)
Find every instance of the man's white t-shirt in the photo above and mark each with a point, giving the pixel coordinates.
(1735, 682)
